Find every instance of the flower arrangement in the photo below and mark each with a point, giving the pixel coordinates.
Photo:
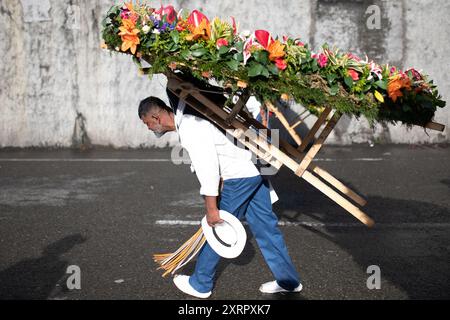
(269, 68)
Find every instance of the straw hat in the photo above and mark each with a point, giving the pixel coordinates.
(228, 238)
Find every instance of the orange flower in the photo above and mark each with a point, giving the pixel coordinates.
(129, 35)
(396, 84)
(276, 50)
(203, 30)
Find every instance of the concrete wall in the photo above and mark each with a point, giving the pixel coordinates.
(59, 89)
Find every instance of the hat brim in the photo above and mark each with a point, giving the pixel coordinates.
(223, 249)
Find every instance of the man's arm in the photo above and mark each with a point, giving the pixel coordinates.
(212, 212)
(197, 139)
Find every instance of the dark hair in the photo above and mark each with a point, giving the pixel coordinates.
(151, 103)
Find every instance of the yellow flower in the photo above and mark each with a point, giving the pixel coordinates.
(379, 96)
(129, 35)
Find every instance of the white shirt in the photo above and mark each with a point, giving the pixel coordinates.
(212, 154)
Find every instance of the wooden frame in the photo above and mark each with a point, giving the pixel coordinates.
(239, 123)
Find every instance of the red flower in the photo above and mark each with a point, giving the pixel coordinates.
(352, 73)
(196, 17)
(264, 38)
(169, 12)
(281, 64)
(221, 42)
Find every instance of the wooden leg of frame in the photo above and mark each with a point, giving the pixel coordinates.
(284, 122)
(338, 185)
(311, 134)
(336, 197)
(318, 144)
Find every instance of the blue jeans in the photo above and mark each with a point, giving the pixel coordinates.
(249, 198)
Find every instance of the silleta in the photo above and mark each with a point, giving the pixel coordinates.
(195, 310)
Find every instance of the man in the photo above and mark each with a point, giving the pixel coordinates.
(244, 194)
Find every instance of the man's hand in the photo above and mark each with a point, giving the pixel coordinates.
(212, 212)
(213, 218)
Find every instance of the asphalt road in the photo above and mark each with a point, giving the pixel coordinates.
(108, 211)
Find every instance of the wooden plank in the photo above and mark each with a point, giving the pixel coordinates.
(435, 126)
(338, 185)
(284, 122)
(312, 133)
(238, 106)
(318, 144)
(333, 195)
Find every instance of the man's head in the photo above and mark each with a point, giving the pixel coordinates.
(156, 115)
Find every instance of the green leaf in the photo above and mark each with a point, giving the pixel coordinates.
(261, 56)
(348, 81)
(174, 47)
(186, 54)
(223, 50)
(199, 52)
(381, 84)
(238, 57)
(331, 78)
(273, 69)
(265, 72)
(255, 69)
(175, 36)
(334, 90)
(196, 46)
(233, 65)
(239, 46)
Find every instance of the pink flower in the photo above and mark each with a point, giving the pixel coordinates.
(221, 42)
(322, 59)
(299, 43)
(416, 74)
(234, 25)
(281, 64)
(393, 70)
(352, 73)
(352, 56)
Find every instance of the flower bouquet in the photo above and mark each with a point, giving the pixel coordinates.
(267, 67)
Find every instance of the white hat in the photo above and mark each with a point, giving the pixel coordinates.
(228, 238)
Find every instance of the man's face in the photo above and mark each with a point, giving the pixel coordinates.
(153, 121)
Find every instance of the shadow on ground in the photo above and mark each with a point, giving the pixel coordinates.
(417, 267)
(36, 278)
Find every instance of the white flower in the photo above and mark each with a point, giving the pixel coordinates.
(156, 31)
(117, 48)
(246, 33)
(146, 29)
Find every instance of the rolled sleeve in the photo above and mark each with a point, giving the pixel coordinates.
(197, 138)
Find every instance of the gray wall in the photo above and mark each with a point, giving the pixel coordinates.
(59, 88)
